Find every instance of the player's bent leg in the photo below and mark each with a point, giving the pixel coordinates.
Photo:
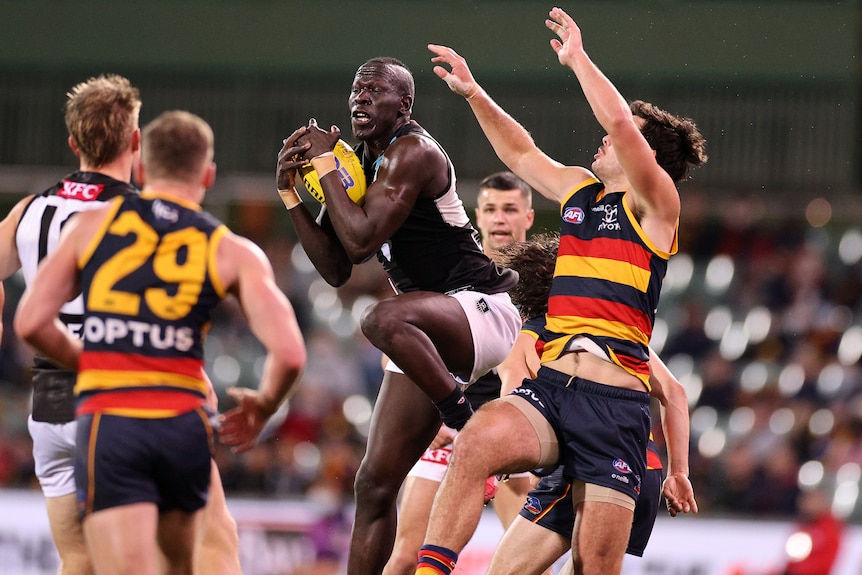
(527, 549)
(121, 540)
(217, 545)
(403, 423)
(416, 499)
(498, 439)
(600, 537)
(68, 535)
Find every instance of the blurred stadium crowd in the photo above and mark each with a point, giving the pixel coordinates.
(761, 320)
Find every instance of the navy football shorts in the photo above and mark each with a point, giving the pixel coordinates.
(134, 460)
(549, 505)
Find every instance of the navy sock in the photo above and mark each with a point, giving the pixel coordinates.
(454, 409)
(436, 560)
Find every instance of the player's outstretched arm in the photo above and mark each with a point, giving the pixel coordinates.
(652, 186)
(510, 140)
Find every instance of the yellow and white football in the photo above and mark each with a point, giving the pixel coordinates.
(349, 169)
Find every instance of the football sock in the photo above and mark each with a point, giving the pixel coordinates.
(434, 560)
(454, 409)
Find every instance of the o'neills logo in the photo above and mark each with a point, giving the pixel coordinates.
(80, 191)
(573, 215)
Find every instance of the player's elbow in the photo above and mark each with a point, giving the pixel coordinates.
(26, 325)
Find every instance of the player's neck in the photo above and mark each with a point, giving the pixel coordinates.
(120, 169)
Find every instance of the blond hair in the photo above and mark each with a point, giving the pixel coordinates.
(101, 116)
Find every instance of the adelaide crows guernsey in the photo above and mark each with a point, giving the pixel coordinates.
(607, 281)
(150, 282)
(436, 248)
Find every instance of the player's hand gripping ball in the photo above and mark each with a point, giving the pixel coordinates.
(349, 169)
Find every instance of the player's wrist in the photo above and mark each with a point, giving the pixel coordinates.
(324, 163)
(290, 197)
(473, 92)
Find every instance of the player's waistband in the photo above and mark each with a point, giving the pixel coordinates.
(591, 387)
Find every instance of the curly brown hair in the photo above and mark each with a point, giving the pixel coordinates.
(678, 143)
(534, 260)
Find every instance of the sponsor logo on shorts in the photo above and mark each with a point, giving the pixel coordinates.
(529, 395)
(620, 478)
(439, 456)
(482, 305)
(533, 505)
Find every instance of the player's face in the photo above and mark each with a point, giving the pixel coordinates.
(502, 217)
(376, 101)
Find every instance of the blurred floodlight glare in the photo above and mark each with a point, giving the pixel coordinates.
(850, 247)
(798, 546)
(741, 421)
(323, 297)
(733, 342)
(357, 410)
(307, 456)
(849, 473)
(830, 380)
(680, 269)
(681, 365)
(781, 421)
(818, 212)
(719, 274)
(712, 443)
(703, 419)
(821, 422)
(693, 385)
(757, 323)
(754, 377)
(359, 306)
(659, 335)
(300, 260)
(810, 474)
(226, 369)
(717, 321)
(850, 348)
(342, 324)
(791, 380)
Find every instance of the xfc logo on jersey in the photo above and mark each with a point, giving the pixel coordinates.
(80, 191)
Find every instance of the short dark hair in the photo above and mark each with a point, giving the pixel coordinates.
(175, 146)
(678, 143)
(507, 181)
(535, 261)
(405, 79)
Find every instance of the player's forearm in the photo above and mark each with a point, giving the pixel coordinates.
(280, 380)
(510, 140)
(322, 248)
(608, 105)
(675, 423)
(53, 341)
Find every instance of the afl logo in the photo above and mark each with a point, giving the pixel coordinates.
(573, 215)
(622, 466)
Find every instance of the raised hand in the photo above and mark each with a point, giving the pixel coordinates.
(460, 79)
(570, 42)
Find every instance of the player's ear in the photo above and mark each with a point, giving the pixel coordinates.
(73, 147)
(136, 140)
(406, 105)
(209, 176)
(138, 170)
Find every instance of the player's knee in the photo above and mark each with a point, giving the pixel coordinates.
(379, 322)
(373, 489)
